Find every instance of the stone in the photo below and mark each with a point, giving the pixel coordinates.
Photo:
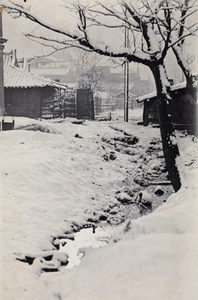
(141, 181)
(112, 155)
(124, 197)
(115, 220)
(159, 191)
(160, 154)
(144, 198)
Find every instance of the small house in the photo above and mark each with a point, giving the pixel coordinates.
(26, 93)
(119, 100)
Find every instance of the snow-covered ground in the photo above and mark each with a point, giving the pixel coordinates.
(57, 176)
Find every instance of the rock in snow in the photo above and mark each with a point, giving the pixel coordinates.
(159, 191)
(144, 198)
(124, 197)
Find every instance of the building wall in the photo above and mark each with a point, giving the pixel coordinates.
(183, 109)
(27, 102)
(1, 81)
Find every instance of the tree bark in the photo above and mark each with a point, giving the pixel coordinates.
(170, 148)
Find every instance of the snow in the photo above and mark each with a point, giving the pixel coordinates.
(52, 182)
(154, 94)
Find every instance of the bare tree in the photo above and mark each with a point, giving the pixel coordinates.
(81, 60)
(84, 65)
(155, 27)
(179, 46)
(182, 24)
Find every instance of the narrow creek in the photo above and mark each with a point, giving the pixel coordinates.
(100, 235)
(85, 238)
(144, 177)
(70, 249)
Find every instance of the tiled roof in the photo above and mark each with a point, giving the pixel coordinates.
(50, 71)
(17, 77)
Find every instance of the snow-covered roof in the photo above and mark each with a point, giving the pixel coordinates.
(19, 77)
(121, 94)
(154, 94)
(71, 85)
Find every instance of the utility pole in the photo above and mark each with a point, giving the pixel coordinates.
(2, 42)
(126, 78)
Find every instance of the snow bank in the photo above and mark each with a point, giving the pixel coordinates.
(49, 180)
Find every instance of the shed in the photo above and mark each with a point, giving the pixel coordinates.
(182, 106)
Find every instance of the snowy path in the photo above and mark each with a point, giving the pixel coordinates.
(54, 182)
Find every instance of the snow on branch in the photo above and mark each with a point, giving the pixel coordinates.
(155, 26)
(29, 15)
(49, 43)
(82, 37)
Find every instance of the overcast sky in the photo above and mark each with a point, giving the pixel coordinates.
(14, 29)
(53, 12)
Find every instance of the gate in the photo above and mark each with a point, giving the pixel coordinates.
(85, 104)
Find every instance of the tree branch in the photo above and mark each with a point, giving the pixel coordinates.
(83, 41)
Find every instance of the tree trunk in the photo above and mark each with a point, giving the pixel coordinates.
(169, 144)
